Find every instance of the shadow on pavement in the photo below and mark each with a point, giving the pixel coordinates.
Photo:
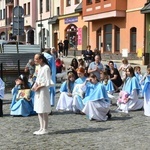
(62, 112)
(114, 118)
(80, 130)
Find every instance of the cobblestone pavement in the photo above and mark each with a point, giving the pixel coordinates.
(68, 131)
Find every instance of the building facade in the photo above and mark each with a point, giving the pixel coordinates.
(115, 25)
(72, 25)
(6, 20)
(47, 24)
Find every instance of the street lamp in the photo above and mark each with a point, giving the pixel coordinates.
(41, 30)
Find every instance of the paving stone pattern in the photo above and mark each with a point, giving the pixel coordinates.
(68, 131)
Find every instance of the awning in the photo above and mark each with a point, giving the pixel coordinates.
(53, 20)
(146, 8)
(79, 8)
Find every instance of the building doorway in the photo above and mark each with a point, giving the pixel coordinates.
(56, 40)
(71, 34)
(30, 37)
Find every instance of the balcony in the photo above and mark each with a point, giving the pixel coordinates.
(9, 2)
(100, 9)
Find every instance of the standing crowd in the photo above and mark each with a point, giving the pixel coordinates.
(87, 86)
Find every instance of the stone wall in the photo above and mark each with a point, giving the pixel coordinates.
(106, 56)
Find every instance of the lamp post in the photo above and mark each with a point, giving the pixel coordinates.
(41, 29)
(41, 10)
(6, 37)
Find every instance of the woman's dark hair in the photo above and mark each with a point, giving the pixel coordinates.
(111, 62)
(70, 74)
(107, 69)
(92, 75)
(75, 65)
(131, 70)
(41, 56)
(25, 84)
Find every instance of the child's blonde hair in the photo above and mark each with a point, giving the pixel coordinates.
(70, 74)
(125, 60)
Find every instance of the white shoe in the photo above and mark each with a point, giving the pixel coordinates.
(44, 131)
(37, 132)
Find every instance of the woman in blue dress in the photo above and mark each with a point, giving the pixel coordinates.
(78, 93)
(146, 90)
(104, 79)
(22, 101)
(130, 92)
(96, 101)
(65, 99)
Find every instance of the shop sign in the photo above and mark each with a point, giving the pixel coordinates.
(71, 20)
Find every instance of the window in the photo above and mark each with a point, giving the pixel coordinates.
(41, 6)
(3, 13)
(88, 2)
(98, 39)
(0, 14)
(133, 39)
(108, 37)
(29, 8)
(25, 13)
(97, 1)
(47, 5)
(68, 3)
(58, 11)
(77, 1)
(117, 38)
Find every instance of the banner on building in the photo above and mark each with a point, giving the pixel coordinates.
(124, 52)
(79, 36)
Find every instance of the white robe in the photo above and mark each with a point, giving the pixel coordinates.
(42, 96)
(64, 102)
(97, 110)
(147, 102)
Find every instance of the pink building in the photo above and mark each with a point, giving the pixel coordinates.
(30, 18)
(115, 25)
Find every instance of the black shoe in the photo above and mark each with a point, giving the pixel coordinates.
(51, 113)
(109, 115)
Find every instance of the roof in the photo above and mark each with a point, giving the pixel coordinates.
(79, 8)
(53, 20)
(146, 8)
